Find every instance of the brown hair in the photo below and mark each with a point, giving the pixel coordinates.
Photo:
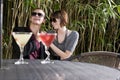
(62, 15)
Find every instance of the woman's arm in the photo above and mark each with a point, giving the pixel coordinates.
(63, 55)
(70, 47)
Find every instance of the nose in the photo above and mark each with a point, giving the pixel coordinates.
(36, 15)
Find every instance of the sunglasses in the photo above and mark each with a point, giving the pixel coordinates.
(35, 13)
(52, 20)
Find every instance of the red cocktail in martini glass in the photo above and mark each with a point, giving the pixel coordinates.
(47, 39)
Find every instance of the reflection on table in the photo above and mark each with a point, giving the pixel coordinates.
(60, 70)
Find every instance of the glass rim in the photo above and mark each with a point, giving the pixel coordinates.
(22, 32)
(47, 33)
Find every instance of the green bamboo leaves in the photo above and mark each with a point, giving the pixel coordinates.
(97, 21)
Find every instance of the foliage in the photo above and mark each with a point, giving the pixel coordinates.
(97, 21)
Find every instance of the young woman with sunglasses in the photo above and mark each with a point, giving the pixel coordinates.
(33, 49)
(66, 40)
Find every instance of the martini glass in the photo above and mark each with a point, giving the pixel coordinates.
(21, 39)
(47, 39)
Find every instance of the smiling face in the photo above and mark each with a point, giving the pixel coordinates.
(59, 19)
(37, 17)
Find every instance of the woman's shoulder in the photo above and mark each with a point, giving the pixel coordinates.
(73, 34)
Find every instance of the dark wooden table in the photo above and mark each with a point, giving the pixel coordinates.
(60, 70)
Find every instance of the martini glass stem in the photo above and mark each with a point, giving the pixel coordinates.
(48, 55)
(47, 59)
(21, 53)
(21, 60)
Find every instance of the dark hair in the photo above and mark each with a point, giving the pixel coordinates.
(36, 8)
(62, 15)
